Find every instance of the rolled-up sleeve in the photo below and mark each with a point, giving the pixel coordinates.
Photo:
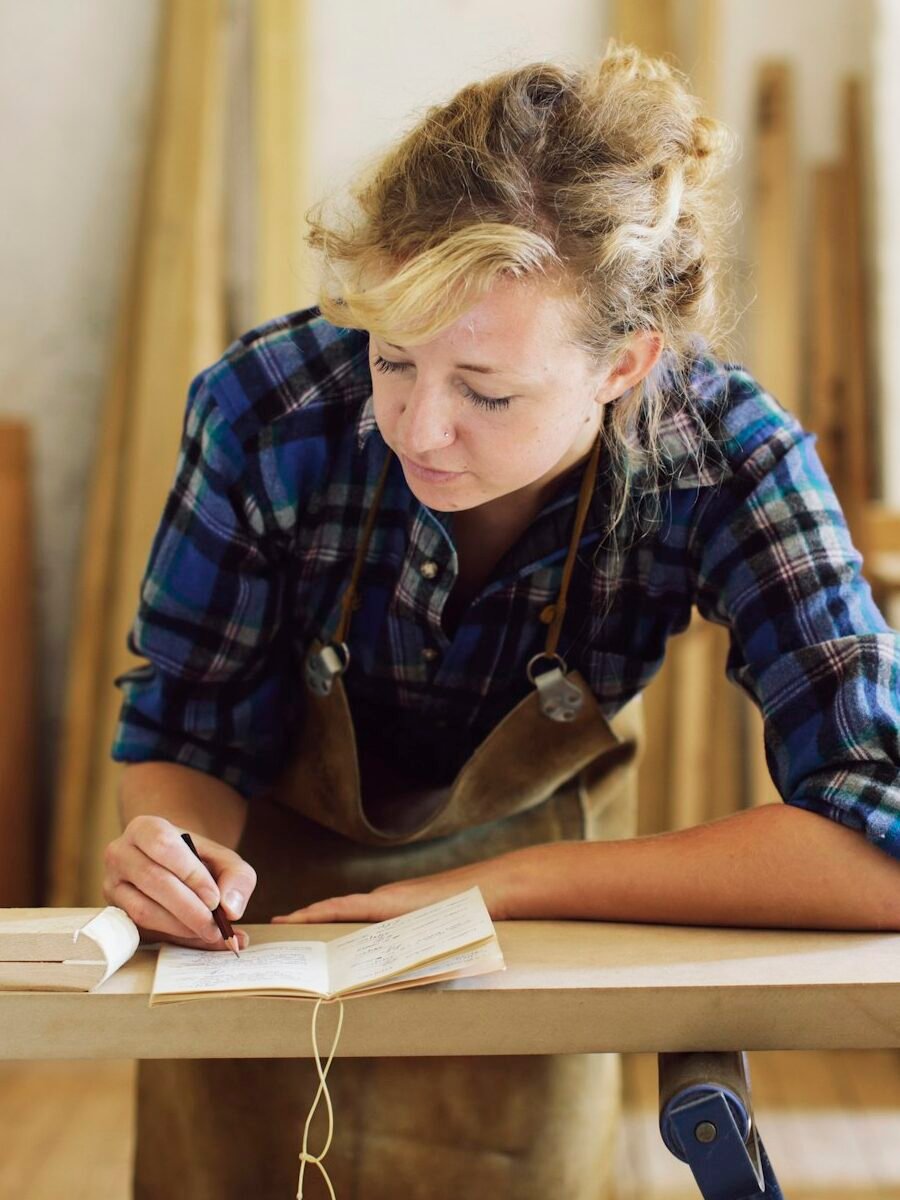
(776, 566)
(213, 693)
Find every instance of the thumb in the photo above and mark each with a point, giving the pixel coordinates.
(234, 877)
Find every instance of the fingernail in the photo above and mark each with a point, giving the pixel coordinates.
(234, 902)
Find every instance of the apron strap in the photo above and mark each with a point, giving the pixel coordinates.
(348, 602)
(554, 614)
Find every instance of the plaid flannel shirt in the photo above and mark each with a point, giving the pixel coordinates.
(276, 471)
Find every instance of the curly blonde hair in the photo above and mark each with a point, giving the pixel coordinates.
(603, 178)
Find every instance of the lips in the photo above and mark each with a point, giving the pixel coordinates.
(429, 474)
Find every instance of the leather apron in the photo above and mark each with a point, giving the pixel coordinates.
(527, 1127)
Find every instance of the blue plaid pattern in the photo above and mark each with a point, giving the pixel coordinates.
(276, 471)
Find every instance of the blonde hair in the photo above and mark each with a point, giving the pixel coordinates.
(603, 179)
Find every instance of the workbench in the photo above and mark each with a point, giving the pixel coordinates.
(569, 986)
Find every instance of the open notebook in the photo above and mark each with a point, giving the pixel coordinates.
(447, 940)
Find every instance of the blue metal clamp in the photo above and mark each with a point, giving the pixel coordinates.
(706, 1121)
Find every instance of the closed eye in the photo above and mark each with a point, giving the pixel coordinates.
(387, 366)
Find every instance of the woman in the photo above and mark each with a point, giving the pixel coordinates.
(424, 549)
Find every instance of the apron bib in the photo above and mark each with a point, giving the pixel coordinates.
(423, 1129)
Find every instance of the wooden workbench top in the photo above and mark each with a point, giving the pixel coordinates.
(568, 987)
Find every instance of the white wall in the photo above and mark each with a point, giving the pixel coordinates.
(75, 79)
(375, 67)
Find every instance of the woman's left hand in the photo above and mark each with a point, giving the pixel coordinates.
(493, 876)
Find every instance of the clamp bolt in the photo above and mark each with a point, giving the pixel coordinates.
(705, 1132)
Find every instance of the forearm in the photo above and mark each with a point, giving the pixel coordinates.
(769, 867)
(184, 796)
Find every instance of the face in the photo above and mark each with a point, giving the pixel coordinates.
(499, 404)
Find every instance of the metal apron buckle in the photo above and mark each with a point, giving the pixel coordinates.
(324, 666)
(559, 698)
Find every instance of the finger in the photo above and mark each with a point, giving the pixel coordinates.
(357, 907)
(169, 893)
(161, 841)
(152, 917)
(235, 878)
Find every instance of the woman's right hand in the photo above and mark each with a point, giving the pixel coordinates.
(169, 893)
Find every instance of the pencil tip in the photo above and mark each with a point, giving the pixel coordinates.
(233, 943)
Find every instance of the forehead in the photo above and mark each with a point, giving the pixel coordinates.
(519, 325)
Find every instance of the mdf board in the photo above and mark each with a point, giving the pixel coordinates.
(178, 329)
(18, 670)
(280, 114)
(570, 987)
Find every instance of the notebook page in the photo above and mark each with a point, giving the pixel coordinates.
(402, 943)
(115, 931)
(482, 960)
(300, 965)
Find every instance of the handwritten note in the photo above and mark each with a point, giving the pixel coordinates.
(291, 966)
(403, 943)
(450, 938)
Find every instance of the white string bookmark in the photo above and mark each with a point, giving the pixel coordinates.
(305, 1156)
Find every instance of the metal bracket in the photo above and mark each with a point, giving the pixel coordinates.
(324, 666)
(698, 1126)
(559, 698)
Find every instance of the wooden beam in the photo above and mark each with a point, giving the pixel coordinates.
(93, 593)
(777, 313)
(179, 327)
(570, 987)
(647, 24)
(18, 670)
(776, 319)
(827, 372)
(857, 459)
(281, 151)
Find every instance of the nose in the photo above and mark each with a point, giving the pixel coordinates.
(426, 422)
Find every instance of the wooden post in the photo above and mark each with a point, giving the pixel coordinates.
(281, 153)
(176, 327)
(18, 671)
(827, 371)
(776, 323)
(857, 464)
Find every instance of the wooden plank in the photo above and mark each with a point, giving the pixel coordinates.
(827, 362)
(691, 775)
(280, 129)
(858, 461)
(569, 987)
(647, 24)
(776, 318)
(101, 533)
(653, 771)
(18, 669)
(179, 329)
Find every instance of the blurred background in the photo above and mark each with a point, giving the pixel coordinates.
(159, 160)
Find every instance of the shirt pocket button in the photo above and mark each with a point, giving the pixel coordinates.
(429, 654)
(428, 570)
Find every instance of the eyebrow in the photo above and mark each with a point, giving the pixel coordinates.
(461, 366)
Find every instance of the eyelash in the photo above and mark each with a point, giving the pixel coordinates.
(492, 403)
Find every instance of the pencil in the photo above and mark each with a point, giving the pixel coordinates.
(218, 916)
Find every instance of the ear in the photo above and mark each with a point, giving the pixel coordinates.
(637, 360)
